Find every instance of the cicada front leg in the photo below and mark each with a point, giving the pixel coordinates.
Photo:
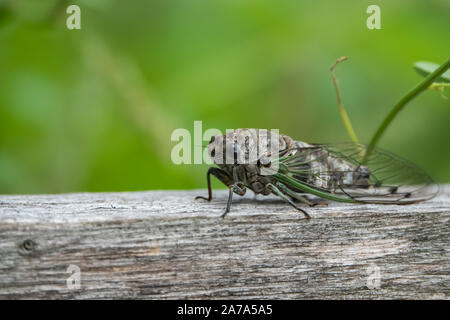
(238, 188)
(219, 174)
(234, 187)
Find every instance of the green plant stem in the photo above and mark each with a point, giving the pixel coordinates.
(402, 102)
(344, 115)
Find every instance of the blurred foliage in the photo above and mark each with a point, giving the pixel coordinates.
(93, 109)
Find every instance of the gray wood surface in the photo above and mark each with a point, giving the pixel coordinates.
(165, 245)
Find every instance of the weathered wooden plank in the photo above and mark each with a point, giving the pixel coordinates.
(163, 244)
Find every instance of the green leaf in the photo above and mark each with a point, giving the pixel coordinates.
(424, 68)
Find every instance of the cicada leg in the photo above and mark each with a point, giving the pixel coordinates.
(234, 187)
(298, 197)
(285, 198)
(219, 174)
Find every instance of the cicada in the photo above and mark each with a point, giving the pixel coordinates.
(271, 163)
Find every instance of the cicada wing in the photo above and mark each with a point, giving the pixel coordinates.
(338, 170)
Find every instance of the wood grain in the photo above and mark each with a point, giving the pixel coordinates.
(166, 245)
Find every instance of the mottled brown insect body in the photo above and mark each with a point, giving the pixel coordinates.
(267, 162)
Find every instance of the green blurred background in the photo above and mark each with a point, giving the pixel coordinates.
(93, 109)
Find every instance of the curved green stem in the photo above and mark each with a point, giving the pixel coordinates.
(344, 115)
(403, 101)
